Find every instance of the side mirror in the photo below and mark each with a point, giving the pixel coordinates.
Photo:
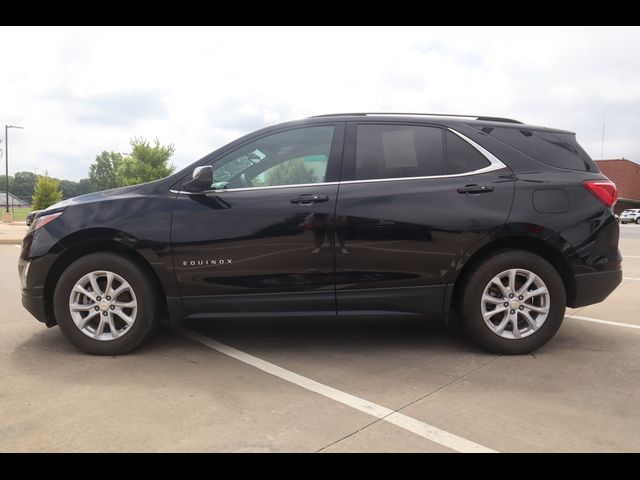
(201, 179)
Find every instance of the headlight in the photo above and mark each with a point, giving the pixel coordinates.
(42, 220)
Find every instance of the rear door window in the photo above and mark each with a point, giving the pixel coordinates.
(398, 151)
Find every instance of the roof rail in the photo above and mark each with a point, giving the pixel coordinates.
(364, 114)
(498, 119)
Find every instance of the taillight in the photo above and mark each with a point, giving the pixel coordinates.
(603, 190)
(42, 220)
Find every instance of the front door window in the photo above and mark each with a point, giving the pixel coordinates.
(293, 157)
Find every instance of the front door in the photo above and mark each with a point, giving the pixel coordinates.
(260, 239)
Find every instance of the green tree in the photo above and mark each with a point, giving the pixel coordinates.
(3, 183)
(24, 183)
(102, 172)
(84, 186)
(146, 163)
(69, 188)
(47, 192)
(290, 172)
(73, 189)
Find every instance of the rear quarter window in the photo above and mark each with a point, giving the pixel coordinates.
(462, 157)
(555, 149)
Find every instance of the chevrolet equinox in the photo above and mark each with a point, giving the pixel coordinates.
(505, 224)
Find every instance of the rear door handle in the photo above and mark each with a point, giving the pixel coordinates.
(309, 199)
(474, 189)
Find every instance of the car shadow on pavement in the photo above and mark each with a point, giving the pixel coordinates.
(47, 349)
(356, 334)
(364, 337)
(426, 339)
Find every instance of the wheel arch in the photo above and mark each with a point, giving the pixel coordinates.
(527, 243)
(88, 244)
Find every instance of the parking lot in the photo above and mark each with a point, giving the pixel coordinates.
(339, 385)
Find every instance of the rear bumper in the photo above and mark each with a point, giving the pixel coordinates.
(594, 287)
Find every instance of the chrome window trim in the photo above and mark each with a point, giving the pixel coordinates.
(243, 189)
(487, 154)
(494, 164)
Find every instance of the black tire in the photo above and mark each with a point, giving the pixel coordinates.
(145, 319)
(638, 221)
(475, 282)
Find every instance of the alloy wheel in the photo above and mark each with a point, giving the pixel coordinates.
(103, 305)
(515, 303)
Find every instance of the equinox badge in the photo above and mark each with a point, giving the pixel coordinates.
(202, 263)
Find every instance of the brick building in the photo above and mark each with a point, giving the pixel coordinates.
(626, 175)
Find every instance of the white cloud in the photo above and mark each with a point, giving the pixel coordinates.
(78, 91)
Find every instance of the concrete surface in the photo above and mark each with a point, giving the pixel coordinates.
(578, 393)
(630, 230)
(12, 233)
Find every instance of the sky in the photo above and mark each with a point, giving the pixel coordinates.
(79, 91)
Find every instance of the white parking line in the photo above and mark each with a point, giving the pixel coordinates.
(631, 278)
(605, 322)
(422, 429)
(630, 256)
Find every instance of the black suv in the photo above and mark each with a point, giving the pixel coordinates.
(503, 223)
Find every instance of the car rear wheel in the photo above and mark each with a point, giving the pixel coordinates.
(105, 305)
(513, 302)
(638, 220)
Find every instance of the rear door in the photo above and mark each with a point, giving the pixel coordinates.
(413, 199)
(259, 240)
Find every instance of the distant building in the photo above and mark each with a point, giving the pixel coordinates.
(626, 175)
(13, 201)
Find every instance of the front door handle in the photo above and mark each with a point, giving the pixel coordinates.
(475, 189)
(309, 199)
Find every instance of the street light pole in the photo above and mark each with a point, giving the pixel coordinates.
(6, 159)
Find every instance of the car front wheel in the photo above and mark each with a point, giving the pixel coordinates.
(105, 305)
(513, 302)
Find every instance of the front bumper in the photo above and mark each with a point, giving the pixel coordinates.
(35, 306)
(33, 293)
(594, 287)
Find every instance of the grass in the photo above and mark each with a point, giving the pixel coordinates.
(20, 213)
